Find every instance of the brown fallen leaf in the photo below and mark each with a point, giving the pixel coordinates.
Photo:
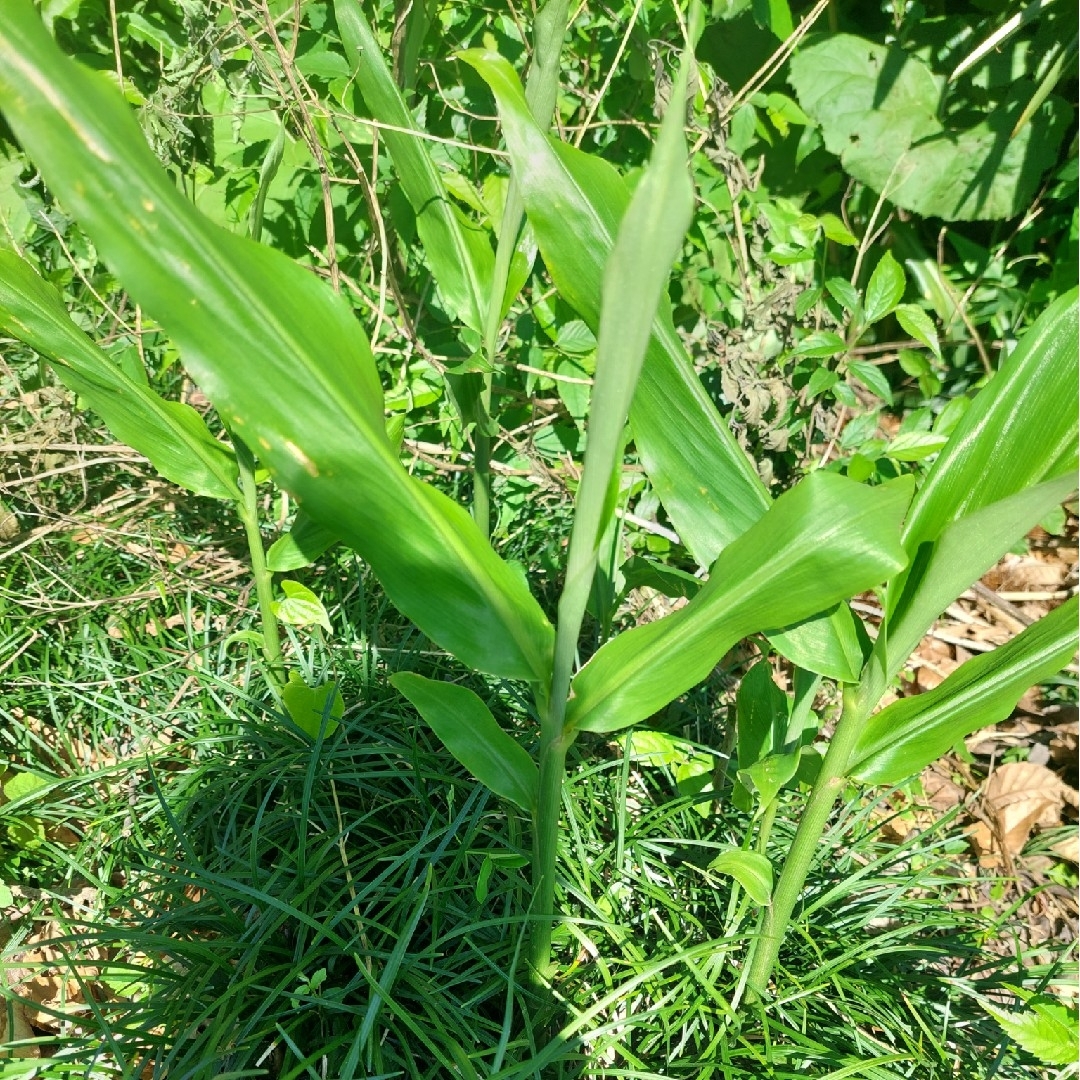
(1017, 798)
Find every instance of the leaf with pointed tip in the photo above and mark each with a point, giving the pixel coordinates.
(280, 355)
(908, 735)
(649, 239)
(473, 736)
(575, 202)
(310, 707)
(708, 485)
(301, 545)
(168, 433)
(458, 251)
(823, 541)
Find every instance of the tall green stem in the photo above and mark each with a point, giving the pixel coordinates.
(248, 510)
(858, 703)
(553, 747)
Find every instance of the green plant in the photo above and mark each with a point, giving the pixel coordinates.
(291, 373)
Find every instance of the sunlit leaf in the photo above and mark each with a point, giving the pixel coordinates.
(473, 736)
(282, 358)
(171, 435)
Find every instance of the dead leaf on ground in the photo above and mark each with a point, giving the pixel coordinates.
(1017, 798)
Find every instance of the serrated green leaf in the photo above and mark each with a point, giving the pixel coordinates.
(871, 376)
(845, 293)
(885, 289)
(824, 343)
(472, 735)
(1046, 1029)
(750, 869)
(920, 326)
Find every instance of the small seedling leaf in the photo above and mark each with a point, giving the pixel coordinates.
(1046, 1029)
(310, 707)
(885, 289)
(920, 326)
(750, 869)
(301, 607)
(473, 736)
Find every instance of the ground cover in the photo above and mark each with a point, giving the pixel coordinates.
(210, 874)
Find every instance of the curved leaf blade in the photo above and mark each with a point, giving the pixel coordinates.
(750, 869)
(281, 356)
(458, 252)
(908, 735)
(823, 541)
(474, 737)
(171, 435)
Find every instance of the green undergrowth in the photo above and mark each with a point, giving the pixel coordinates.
(354, 906)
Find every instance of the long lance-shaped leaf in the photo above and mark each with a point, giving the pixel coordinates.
(1020, 432)
(707, 484)
(905, 737)
(171, 435)
(280, 355)
(825, 540)
(574, 202)
(1021, 428)
(458, 252)
(963, 552)
(473, 736)
(649, 239)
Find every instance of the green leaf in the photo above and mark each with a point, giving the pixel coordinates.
(574, 202)
(649, 239)
(750, 869)
(878, 106)
(871, 377)
(826, 343)
(941, 571)
(472, 735)
(670, 580)
(301, 607)
(171, 435)
(1021, 428)
(919, 325)
(915, 445)
(282, 358)
(832, 645)
(983, 492)
(761, 712)
(846, 294)
(825, 540)
(906, 736)
(708, 486)
(301, 545)
(457, 250)
(764, 779)
(310, 707)
(885, 289)
(1046, 1029)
